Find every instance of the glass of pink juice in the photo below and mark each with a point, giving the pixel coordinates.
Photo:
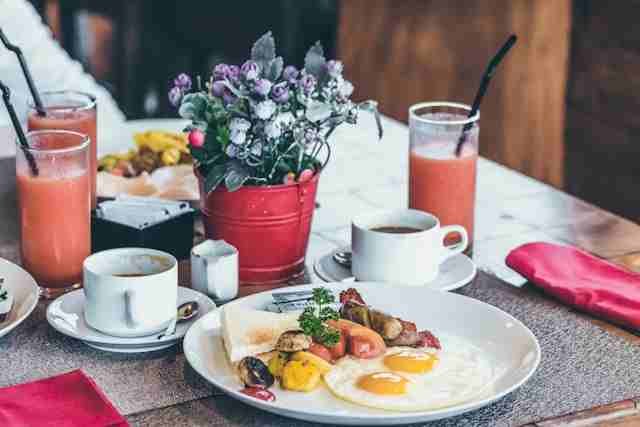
(70, 110)
(54, 209)
(441, 181)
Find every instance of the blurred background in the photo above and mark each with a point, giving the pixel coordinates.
(560, 109)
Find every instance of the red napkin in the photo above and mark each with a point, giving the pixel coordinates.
(66, 400)
(581, 280)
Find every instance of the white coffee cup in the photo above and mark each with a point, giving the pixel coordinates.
(404, 258)
(130, 292)
(214, 269)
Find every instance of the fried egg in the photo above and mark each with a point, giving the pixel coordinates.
(413, 379)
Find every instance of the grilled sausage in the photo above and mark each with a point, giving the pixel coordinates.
(389, 327)
(408, 337)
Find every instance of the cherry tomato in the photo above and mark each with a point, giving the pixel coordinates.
(362, 342)
(320, 351)
(339, 350)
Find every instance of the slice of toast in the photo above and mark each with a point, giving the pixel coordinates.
(250, 332)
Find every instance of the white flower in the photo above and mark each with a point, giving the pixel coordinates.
(345, 88)
(256, 149)
(239, 124)
(265, 109)
(285, 120)
(272, 129)
(237, 137)
(232, 151)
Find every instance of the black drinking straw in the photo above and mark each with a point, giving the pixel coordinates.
(484, 84)
(24, 144)
(25, 70)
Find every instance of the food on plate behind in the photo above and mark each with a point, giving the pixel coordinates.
(154, 149)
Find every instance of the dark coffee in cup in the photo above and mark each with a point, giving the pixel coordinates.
(393, 229)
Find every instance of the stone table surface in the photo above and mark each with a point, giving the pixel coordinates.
(365, 175)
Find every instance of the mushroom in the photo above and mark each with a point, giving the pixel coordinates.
(254, 373)
(291, 341)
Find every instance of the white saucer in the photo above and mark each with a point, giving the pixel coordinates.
(25, 293)
(455, 272)
(66, 315)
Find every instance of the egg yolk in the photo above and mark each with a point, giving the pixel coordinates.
(383, 383)
(415, 363)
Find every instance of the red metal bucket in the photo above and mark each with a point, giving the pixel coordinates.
(269, 225)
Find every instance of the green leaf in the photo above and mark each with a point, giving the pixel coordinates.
(274, 69)
(314, 62)
(223, 138)
(215, 176)
(194, 106)
(236, 177)
(264, 50)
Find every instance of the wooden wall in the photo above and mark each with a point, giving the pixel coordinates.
(603, 106)
(405, 51)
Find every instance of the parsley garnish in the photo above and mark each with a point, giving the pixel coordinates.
(313, 318)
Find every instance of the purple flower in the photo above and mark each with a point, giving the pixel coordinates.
(334, 68)
(218, 88)
(220, 71)
(233, 72)
(175, 95)
(290, 73)
(308, 83)
(250, 70)
(263, 87)
(280, 92)
(183, 81)
(228, 96)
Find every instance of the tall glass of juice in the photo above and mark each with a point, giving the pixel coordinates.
(442, 180)
(69, 110)
(54, 209)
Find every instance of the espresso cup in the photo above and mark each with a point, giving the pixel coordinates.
(130, 292)
(409, 258)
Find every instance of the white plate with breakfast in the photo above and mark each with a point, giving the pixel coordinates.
(455, 272)
(362, 353)
(19, 295)
(66, 315)
(149, 158)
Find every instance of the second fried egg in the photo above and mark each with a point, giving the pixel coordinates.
(412, 379)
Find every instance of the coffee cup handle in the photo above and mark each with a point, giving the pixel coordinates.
(457, 248)
(130, 305)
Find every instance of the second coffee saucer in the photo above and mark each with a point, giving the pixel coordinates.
(66, 315)
(455, 272)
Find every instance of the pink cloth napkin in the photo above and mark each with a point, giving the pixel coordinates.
(67, 400)
(581, 280)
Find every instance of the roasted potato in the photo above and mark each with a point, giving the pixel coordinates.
(300, 375)
(277, 362)
(317, 361)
